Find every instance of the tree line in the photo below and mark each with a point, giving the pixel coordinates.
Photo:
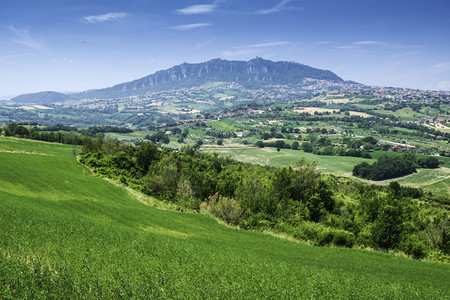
(387, 167)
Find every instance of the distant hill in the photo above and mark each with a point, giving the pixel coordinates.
(251, 73)
(41, 98)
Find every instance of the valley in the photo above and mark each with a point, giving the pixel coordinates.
(226, 179)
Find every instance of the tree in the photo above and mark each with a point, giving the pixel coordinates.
(259, 144)
(220, 142)
(146, 154)
(255, 191)
(429, 162)
(307, 147)
(295, 145)
(185, 133)
(388, 226)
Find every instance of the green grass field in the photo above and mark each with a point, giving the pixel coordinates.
(436, 181)
(342, 165)
(67, 234)
(227, 125)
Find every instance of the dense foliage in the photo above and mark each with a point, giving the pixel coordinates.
(295, 200)
(387, 167)
(71, 138)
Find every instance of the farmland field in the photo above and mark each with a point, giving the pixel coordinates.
(342, 165)
(228, 125)
(436, 181)
(67, 234)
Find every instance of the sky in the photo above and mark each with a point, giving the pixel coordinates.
(76, 45)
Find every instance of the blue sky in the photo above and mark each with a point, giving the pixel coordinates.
(68, 45)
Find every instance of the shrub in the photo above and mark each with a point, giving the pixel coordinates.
(344, 238)
(413, 246)
(227, 209)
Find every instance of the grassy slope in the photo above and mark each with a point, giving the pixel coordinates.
(67, 233)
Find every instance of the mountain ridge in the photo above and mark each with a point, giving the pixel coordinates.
(247, 73)
(255, 72)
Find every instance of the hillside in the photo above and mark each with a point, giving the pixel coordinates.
(41, 98)
(70, 234)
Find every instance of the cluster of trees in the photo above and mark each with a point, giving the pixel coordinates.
(71, 138)
(322, 146)
(295, 200)
(92, 131)
(57, 127)
(160, 136)
(387, 167)
(189, 178)
(280, 144)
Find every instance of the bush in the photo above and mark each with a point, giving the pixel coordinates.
(413, 246)
(344, 238)
(227, 209)
(322, 235)
(256, 221)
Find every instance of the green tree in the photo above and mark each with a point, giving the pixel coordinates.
(255, 192)
(307, 147)
(388, 226)
(146, 154)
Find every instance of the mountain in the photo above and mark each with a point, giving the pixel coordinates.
(251, 73)
(41, 98)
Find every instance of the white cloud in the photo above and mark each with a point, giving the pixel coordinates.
(196, 9)
(203, 45)
(440, 67)
(105, 17)
(190, 26)
(346, 47)
(24, 38)
(443, 85)
(275, 9)
(366, 43)
(263, 45)
(238, 53)
(15, 56)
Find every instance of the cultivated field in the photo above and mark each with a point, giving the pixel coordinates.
(436, 181)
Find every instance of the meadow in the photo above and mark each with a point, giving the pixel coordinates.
(68, 234)
(436, 181)
(342, 165)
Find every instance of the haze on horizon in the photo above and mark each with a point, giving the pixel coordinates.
(76, 45)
